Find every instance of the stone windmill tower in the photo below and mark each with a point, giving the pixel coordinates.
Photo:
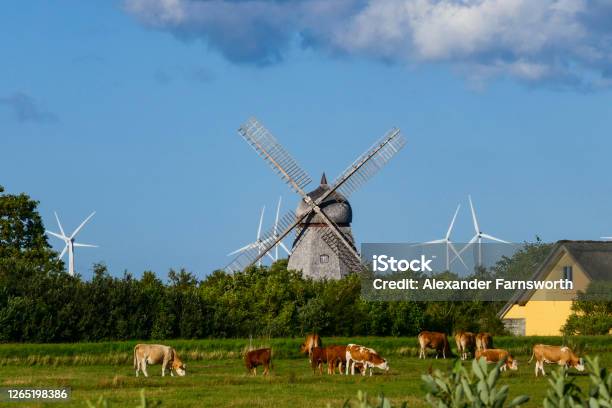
(324, 245)
(312, 253)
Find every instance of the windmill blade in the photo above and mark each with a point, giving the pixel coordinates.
(457, 254)
(347, 257)
(76, 244)
(368, 164)
(63, 252)
(266, 145)
(476, 226)
(59, 224)
(62, 237)
(492, 238)
(76, 231)
(450, 228)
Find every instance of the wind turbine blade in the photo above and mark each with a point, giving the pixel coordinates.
(76, 244)
(263, 210)
(76, 231)
(457, 254)
(450, 228)
(437, 241)
(492, 238)
(606, 237)
(476, 226)
(63, 252)
(62, 237)
(270, 256)
(277, 214)
(59, 224)
(244, 248)
(285, 248)
(470, 243)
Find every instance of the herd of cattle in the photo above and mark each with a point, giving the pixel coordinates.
(354, 357)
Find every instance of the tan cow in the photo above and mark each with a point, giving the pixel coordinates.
(312, 340)
(466, 343)
(155, 354)
(562, 355)
(255, 358)
(495, 355)
(366, 356)
(484, 341)
(436, 341)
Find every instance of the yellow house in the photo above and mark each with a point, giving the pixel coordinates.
(540, 312)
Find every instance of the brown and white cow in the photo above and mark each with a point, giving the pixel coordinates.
(436, 341)
(366, 356)
(484, 341)
(466, 343)
(336, 357)
(562, 355)
(495, 355)
(318, 357)
(155, 354)
(312, 340)
(259, 357)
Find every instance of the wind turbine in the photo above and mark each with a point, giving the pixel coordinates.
(69, 240)
(275, 232)
(449, 245)
(609, 238)
(479, 235)
(258, 243)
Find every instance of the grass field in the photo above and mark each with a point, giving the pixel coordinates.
(216, 376)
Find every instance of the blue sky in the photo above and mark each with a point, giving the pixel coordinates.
(131, 109)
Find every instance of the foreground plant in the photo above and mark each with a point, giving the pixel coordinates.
(462, 389)
(562, 392)
(363, 401)
(144, 402)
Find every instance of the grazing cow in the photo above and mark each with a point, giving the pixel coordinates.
(564, 356)
(495, 355)
(484, 341)
(155, 354)
(366, 356)
(312, 340)
(318, 357)
(336, 357)
(434, 340)
(255, 358)
(466, 343)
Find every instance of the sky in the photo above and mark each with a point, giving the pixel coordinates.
(131, 108)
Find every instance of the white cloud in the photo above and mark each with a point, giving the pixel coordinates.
(564, 41)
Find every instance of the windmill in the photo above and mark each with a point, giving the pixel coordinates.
(69, 240)
(449, 245)
(326, 231)
(479, 235)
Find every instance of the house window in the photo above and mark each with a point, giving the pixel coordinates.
(568, 273)
(324, 258)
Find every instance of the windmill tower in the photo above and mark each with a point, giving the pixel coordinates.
(311, 252)
(323, 217)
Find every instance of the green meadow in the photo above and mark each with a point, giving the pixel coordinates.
(217, 378)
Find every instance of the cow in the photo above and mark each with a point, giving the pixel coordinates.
(155, 354)
(312, 340)
(336, 357)
(562, 355)
(495, 355)
(484, 341)
(434, 340)
(367, 356)
(255, 358)
(318, 357)
(466, 343)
